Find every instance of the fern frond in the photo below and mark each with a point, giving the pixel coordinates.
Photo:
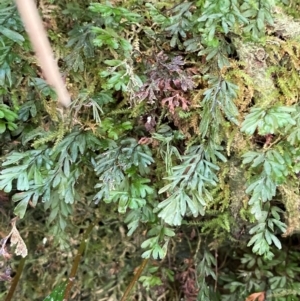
(55, 136)
(51, 109)
(123, 111)
(289, 95)
(289, 47)
(50, 137)
(217, 225)
(60, 133)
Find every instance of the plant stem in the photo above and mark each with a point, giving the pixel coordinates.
(77, 260)
(135, 279)
(38, 37)
(15, 280)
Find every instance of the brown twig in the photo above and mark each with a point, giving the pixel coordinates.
(135, 279)
(41, 45)
(216, 269)
(15, 280)
(77, 261)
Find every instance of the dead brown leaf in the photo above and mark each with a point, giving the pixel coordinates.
(261, 296)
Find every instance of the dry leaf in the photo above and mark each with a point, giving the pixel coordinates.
(17, 240)
(261, 296)
(4, 253)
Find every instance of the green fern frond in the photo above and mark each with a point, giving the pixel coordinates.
(55, 136)
(284, 85)
(246, 215)
(194, 140)
(60, 133)
(217, 225)
(184, 114)
(50, 137)
(119, 112)
(161, 116)
(137, 110)
(51, 109)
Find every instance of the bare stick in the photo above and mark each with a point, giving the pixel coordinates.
(77, 261)
(15, 280)
(41, 45)
(135, 279)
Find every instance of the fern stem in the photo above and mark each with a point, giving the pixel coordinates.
(16, 280)
(77, 261)
(135, 279)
